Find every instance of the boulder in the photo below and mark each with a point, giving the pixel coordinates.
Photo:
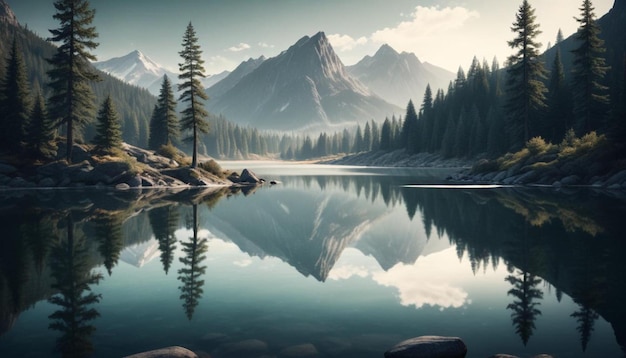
(52, 169)
(47, 183)
(108, 172)
(429, 347)
(135, 182)
(234, 177)
(570, 180)
(248, 176)
(19, 182)
(169, 352)
(618, 178)
(145, 181)
(122, 186)
(7, 169)
(307, 350)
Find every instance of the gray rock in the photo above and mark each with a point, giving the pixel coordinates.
(19, 182)
(618, 178)
(429, 347)
(570, 180)
(527, 177)
(7, 169)
(53, 169)
(65, 182)
(499, 177)
(135, 182)
(614, 187)
(248, 176)
(109, 172)
(299, 351)
(147, 182)
(510, 180)
(122, 186)
(47, 183)
(169, 352)
(4, 179)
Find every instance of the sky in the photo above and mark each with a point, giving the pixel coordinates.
(447, 33)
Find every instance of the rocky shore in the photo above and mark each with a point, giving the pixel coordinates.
(138, 168)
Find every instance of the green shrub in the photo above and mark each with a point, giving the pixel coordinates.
(212, 167)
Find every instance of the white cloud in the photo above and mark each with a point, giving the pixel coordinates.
(346, 42)
(265, 45)
(345, 272)
(238, 48)
(245, 262)
(424, 24)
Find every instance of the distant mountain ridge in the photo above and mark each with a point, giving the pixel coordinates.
(399, 77)
(304, 87)
(137, 69)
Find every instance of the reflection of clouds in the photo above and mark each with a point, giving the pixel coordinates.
(243, 262)
(433, 280)
(346, 271)
(419, 288)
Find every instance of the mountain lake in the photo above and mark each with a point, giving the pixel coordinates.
(331, 262)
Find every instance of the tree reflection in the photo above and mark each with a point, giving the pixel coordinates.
(191, 272)
(71, 271)
(524, 309)
(164, 221)
(586, 317)
(108, 232)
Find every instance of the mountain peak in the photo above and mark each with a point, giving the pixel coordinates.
(7, 15)
(385, 50)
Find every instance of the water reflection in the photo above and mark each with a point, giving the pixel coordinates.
(190, 275)
(75, 300)
(549, 241)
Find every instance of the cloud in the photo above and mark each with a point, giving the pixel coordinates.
(265, 45)
(423, 25)
(347, 271)
(238, 48)
(346, 42)
(245, 262)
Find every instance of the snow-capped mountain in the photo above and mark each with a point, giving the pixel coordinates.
(304, 87)
(399, 77)
(135, 68)
(138, 69)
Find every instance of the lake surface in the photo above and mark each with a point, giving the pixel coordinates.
(331, 262)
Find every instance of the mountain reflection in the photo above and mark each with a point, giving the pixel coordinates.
(567, 241)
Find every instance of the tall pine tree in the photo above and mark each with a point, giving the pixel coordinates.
(525, 90)
(191, 71)
(72, 102)
(590, 98)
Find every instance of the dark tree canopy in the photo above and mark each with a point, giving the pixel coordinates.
(15, 103)
(109, 134)
(164, 125)
(72, 101)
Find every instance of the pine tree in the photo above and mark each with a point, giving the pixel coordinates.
(194, 116)
(109, 134)
(15, 104)
(40, 132)
(410, 129)
(559, 37)
(525, 90)
(72, 101)
(590, 98)
(385, 136)
(164, 126)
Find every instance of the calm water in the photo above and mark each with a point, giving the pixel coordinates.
(332, 262)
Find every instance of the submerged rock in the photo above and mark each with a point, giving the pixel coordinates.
(169, 352)
(248, 176)
(429, 347)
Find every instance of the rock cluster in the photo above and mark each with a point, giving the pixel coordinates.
(140, 169)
